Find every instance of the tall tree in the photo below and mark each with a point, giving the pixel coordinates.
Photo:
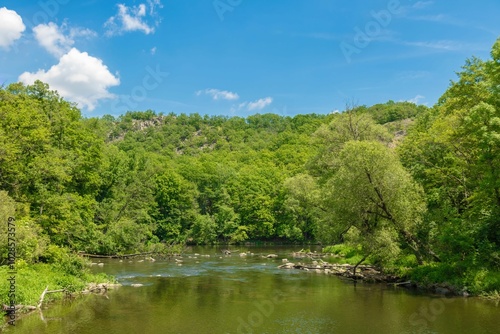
(372, 193)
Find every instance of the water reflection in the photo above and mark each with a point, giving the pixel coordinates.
(233, 294)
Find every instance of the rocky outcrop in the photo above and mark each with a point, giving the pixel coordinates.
(364, 273)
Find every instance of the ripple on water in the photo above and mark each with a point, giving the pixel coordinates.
(305, 324)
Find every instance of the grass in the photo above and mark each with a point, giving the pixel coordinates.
(346, 254)
(476, 280)
(32, 279)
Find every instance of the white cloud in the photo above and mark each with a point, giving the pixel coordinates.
(152, 6)
(438, 45)
(422, 4)
(78, 77)
(416, 99)
(251, 106)
(51, 37)
(260, 104)
(406, 10)
(11, 27)
(431, 18)
(82, 32)
(217, 94)
(133, 19)
(153, 51)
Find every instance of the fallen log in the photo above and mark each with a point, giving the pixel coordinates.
(228, 252)
(46, 291)
(8, 308)
(115, 256)
(100, 288)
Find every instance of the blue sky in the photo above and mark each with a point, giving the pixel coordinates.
(241, 57)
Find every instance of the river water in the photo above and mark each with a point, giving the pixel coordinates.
(234, 294)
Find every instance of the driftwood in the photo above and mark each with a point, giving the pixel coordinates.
(100, 288)
(28, 309)
(7, 308)
(93, 288)
(46, 291)
(116, 256)
(228, 252)
(124, 256)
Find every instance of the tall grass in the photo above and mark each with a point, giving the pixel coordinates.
(31, 280)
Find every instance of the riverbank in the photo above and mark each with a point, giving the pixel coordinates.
(30, 286)
(435, 278)
(206, 291)
(373, 274)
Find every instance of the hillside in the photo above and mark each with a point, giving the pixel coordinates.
(145, 180)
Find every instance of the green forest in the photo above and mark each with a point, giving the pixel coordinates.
(411, 188)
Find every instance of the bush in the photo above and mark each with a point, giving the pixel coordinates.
(65, 261)
(240, 235)
(128, 236)
(31, 280)
(204, 230)
(350, 254)
(476, 280)
(482, 281)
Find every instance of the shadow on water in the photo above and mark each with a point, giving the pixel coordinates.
(249, 294)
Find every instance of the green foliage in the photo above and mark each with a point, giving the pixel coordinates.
(343, 250)
(301, 207)
(453, 152)
(392, 111)
(27, 236)
(204, 230)
(31, 243)
(371, 199)
(128, 236)
(331, 138)
(175, 198)
(346, 253)
(240, 235)
(146, 180)
(475, 280)
(32, 280)
(65, 261)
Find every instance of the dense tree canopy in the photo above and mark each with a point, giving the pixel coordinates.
(394, 179)
(454, 152)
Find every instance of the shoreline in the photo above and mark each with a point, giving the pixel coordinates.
(371, 274)
(22, 311)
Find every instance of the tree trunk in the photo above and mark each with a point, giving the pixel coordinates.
(357, 264)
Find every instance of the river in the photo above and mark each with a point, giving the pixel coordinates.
(234, 294)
